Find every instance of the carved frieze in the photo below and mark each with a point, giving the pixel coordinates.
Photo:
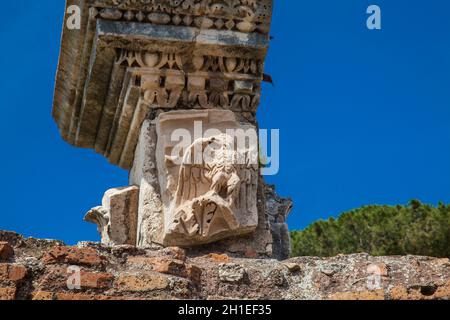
(168, 80)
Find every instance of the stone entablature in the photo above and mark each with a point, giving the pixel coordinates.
(128, 58)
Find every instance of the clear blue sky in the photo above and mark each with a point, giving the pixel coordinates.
(364, 115)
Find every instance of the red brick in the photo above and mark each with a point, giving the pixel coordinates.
(250, 253)
(56, 277)
(142, 282)
(222, 258)
(177, 268)
(176, 253)
(401, 292)
(8, 293)
(89, 297)
(74, 297)
(96, 280)
(17, 273)
(125, 298)
(12, 272)
(114, 298)
(6, 251)
(42, 295)
(73, 255)
(364, 295)
(194, 273)
(169, 266)
(165, 265)
(4, 273)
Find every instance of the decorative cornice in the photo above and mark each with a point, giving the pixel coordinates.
(238, 15)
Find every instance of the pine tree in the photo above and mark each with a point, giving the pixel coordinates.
(416, 229)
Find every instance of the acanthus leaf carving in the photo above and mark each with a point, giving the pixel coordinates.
(217, 82)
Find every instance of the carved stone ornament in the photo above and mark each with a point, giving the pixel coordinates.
(213, 196)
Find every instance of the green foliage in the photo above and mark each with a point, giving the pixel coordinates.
(416, 229)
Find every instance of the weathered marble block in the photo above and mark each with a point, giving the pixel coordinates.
(200, 201)
(116, 219)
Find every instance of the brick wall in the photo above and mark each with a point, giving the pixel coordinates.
(49, 270)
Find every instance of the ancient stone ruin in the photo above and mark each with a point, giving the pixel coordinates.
(135, 74)
(32, 269)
